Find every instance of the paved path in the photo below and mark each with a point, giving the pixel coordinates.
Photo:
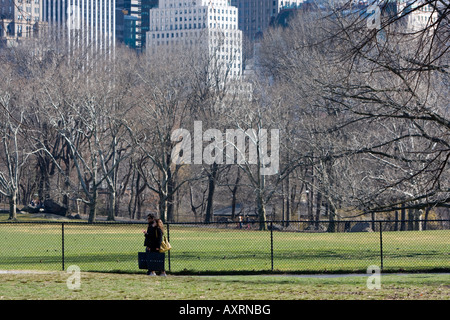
(330, 275)
(263, 275)
(25, 272)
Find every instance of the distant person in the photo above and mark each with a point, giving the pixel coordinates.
(148, 233)
(153, 238)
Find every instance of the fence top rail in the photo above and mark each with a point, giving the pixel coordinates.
(217, 222)
(74, 222)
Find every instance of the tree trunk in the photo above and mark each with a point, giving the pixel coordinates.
(170, 205)
(318, 206)
(111, 180)
(233, 204)
(293, 205)
(234, 195)
(212, 179)
(427, 212)
(310, 198)
(373, 220)
(44, 179)
(93, 205)
(411, 219)
(396, 221)
(283, 204)
(13, 206)
(133, 197)
(261, 211)
(139, 199)
(418, 219)
(332, 221)
(112, 204)
(403, 218)
(162, 206)
(139, 207)
(287, 214)
(169, 196)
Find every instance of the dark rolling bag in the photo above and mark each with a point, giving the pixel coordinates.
(151, 261)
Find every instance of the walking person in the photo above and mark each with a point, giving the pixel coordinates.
(153, 238)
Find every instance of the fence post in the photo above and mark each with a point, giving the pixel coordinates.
(168, 239)
(381, 244)
(62, 244)
(271, 243)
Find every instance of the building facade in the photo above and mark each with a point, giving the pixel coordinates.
(209, 23)
(19, 20)
(126, 28)
(133, 21)
(255, 15)
(89, 23)
(418, 15)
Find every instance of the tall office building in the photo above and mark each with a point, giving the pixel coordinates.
(256, 15)
(89, 23)
(19, 20)
(419, 15)
(133, 21)
(209, 23)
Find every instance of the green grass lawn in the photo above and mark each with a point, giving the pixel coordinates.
(114, 247)
(110, 286)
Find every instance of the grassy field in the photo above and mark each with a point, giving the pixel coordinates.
(111, 248)
(109, 286)
(104, 248)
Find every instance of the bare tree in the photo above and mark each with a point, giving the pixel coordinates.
(14, 150)
(372, 109)
(163, 99)
(394, 86)
(85, 107)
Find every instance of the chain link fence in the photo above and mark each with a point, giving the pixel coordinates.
(300, 246)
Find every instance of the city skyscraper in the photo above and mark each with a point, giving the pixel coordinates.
(133, 21)
(209, 23)
(90, 22)
(256, 15)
